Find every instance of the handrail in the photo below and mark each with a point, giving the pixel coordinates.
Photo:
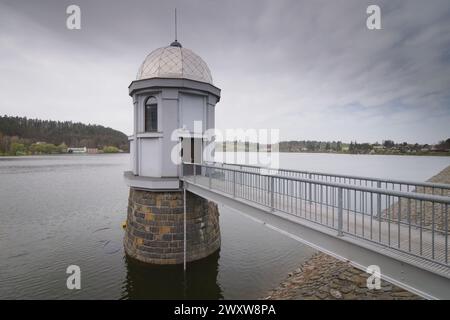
(411, 222)
(404, 194)
(395, 181)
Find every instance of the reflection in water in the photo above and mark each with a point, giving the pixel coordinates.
(144, 281)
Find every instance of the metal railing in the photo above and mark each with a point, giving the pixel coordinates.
(409, 222)
(388, 184)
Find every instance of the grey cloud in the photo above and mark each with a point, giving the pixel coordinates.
(310, 68)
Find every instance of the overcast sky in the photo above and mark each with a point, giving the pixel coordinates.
(310, 68)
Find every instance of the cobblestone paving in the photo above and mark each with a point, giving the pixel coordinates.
(325, 278)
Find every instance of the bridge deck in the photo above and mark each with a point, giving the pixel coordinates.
(421, 245)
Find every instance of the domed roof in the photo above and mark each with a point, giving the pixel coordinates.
(174, 61)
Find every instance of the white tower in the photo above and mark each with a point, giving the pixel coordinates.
(173, 90)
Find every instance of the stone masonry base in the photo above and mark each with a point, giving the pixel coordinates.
(154, 230)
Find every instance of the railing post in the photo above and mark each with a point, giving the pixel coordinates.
(195, 172)
(182, 170)
(234, 184)
(379, 201)
(340, 212)
(184, 227)
(209, 176)
(310, 187)
(272, 194)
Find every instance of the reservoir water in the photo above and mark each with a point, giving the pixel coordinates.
(57, 211)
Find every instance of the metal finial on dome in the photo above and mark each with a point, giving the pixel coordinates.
(176, 43)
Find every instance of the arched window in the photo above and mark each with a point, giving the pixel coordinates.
(151, 115)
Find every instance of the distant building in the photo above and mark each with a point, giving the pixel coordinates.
(92, 150)
(77, 150)
(438, 148)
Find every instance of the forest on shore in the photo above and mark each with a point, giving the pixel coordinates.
(24, 136)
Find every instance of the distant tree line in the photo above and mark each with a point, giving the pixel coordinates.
(386, 147)
(444, 144)
(311, 146)
(20, 135)
(391, 147)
